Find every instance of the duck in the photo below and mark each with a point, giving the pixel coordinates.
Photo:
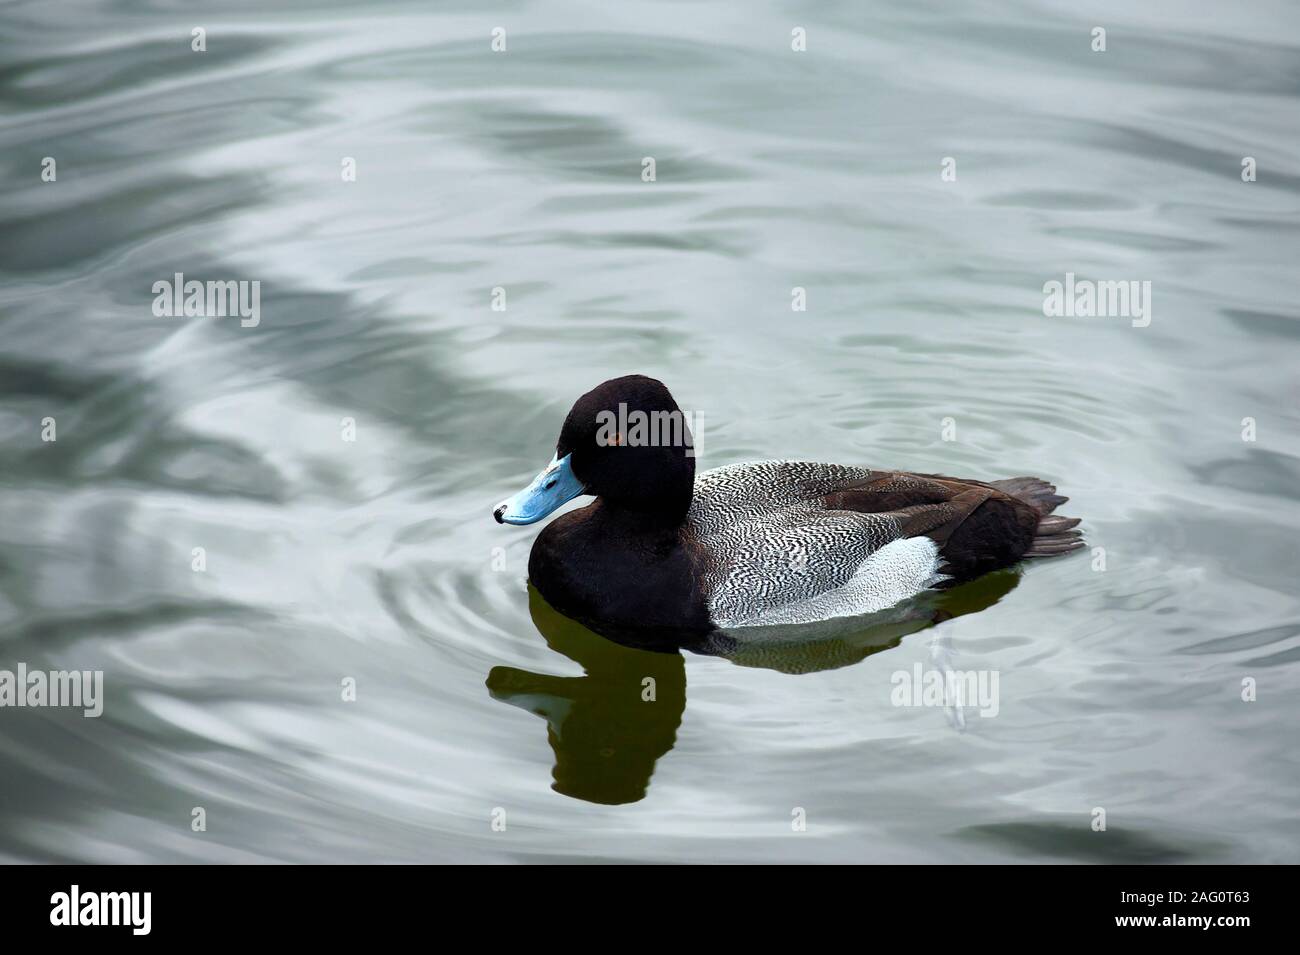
(662, 549)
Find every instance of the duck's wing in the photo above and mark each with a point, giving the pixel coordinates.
(770, 546)
(792, 542)
(978, 525)
(929, 504)
(924, 503)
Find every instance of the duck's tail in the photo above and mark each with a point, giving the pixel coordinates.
(1056, 534)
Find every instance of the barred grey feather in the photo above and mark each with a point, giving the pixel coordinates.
(771, 552)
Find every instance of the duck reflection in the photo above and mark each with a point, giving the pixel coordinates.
(608, 727)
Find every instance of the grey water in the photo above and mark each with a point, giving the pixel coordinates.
(275, 539)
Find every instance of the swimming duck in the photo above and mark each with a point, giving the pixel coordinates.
(759, 543)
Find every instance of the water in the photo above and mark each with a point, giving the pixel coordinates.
(374, 560)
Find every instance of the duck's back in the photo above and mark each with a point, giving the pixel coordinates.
(785, 542)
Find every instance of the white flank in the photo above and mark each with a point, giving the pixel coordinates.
(900, 569)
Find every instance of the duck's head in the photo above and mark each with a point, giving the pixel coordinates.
(626, 442)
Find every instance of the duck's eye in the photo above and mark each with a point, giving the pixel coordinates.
(550, 484)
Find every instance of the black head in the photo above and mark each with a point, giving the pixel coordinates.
(626, 442)
(631, 446)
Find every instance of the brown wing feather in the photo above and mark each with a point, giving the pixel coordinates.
(978, 526)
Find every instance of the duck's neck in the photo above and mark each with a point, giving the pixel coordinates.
(662, 521)
(647, 488)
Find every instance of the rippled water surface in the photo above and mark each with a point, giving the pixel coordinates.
(376, 560)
